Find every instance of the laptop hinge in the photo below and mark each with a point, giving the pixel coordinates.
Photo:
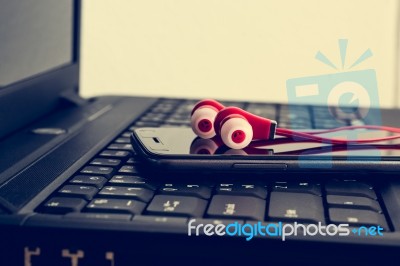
(72, 97)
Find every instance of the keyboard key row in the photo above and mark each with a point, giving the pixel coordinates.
(106, 162)
(286, 207)
(341, 194)
(115, 154)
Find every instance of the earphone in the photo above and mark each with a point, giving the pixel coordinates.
(237, 128)
(234, 125)
(202, 118)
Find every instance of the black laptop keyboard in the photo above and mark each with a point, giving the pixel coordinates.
(110, 187)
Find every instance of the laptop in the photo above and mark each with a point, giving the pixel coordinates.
(71, 191)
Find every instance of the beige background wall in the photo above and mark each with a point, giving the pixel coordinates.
(235, 49)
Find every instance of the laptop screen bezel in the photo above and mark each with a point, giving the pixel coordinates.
(29, 99)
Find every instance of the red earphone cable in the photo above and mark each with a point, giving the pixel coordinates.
(311, 134)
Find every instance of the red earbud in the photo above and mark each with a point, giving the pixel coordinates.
(238, 128)
(203, 116)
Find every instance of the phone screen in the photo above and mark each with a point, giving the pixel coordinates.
(182, 141)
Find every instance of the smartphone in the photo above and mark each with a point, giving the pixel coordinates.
(179, 149)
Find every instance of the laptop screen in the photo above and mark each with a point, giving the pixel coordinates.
(36, 36)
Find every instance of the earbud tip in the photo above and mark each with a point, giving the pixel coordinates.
(202, 122)
(236, 133)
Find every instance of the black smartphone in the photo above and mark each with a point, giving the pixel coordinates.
(179, 149)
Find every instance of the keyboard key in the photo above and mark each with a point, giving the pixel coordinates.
(196, 190)
(98, 170)
(345, 113)
(153, 117)
(128, 169)
(244, 189)
(180, 116)
(165, 109)
(115, 206)
(125, 147)
(263, 110)
(146, 124)
(172, 121)
(59, 205)
(300, 207)
(132, 181)
(353, 202)
(357, 217)
(123, 140)
(136, 193)
(84, 192)
(150, 220)
(328, 123)
(98, 216)
(126, 134)
(117, 154)
(176, 206)
(156, 118)
(297, 124)
(105, 162)
(294, 112)
(391, 197)
(133, 128)
(350, 188)
(131, 161)
(321, 112)
(241, 207)
(298, 187)
(93, 180)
